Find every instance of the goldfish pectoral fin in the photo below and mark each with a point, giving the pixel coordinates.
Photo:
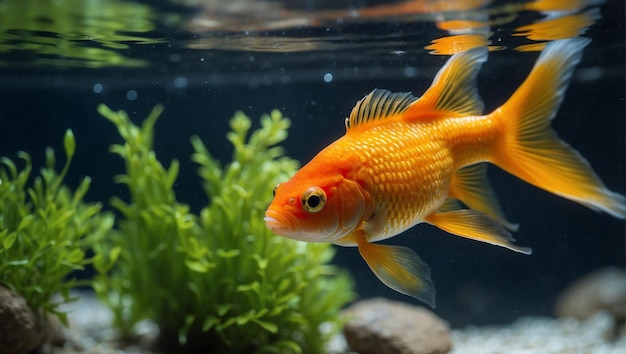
(470, 185)
(453, 91)
(529, 149)
(400, 269)
(475, 225)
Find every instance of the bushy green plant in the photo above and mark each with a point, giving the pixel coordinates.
(219, 280)
(45, 229)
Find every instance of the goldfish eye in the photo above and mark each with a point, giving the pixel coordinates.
(313, 200)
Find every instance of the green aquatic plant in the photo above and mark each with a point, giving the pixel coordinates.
(220, 280)
(45, 230)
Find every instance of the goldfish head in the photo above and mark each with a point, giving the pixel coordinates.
(316, 209)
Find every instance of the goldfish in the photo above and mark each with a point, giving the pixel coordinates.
(406, 160)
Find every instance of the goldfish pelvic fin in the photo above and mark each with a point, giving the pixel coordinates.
(529, 148)
(470, 185)
(453, 91)
(475, 225)
(379, 104)
(400, 269)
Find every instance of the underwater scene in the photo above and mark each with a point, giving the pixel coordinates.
(312, 176)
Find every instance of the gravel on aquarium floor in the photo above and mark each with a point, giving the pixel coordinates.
(91, 333)
(530, 335)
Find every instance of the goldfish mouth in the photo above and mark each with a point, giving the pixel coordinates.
(278, 223)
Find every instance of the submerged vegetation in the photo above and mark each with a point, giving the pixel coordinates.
(45, 229)
(218, 280)
(220, 277)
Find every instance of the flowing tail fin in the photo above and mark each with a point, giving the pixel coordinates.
(529, 149)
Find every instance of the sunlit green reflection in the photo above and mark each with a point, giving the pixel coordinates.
(73, 33)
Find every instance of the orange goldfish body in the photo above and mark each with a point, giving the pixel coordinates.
(407, 160)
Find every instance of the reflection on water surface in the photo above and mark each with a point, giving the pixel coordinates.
(113, 33)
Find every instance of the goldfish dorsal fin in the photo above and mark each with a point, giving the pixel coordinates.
(379, 104)
(453, 91)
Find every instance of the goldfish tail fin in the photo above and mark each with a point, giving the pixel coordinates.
(400, 269)
(531, 150)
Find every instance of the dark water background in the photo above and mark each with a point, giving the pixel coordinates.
(203, 76)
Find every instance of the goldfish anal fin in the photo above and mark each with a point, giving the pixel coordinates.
(453, 92)
(450, 204)
(470, 185)
(400, 269)
(529, 149)
(379, 104)
(475, 225)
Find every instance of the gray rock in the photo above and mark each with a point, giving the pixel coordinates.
(380, 326)
(602, 290)
(21, 330)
